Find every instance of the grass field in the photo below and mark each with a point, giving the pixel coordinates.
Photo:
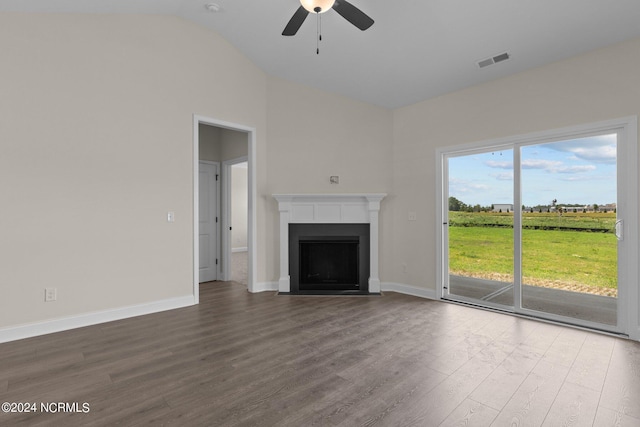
(481, 245)
(597, 222)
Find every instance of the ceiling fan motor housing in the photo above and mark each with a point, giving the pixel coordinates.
(317, 6)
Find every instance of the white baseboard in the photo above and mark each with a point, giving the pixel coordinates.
(88, 319)
(240, 249)
(409, 290)
(264, 287)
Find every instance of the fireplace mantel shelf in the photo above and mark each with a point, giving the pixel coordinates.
(360, 208)
(322, 197)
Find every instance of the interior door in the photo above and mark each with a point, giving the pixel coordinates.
(208, 226)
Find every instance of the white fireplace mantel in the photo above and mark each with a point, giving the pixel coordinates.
(326, 209)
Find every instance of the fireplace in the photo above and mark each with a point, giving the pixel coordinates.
(329, 258)
(339, 244)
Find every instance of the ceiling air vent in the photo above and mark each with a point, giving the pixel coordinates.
(493, 60)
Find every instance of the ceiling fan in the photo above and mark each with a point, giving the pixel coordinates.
(343, 7)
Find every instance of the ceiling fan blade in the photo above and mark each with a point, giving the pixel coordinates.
(353, 14)
(295, 22)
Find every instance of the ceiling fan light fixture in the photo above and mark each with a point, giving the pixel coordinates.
(312, 5)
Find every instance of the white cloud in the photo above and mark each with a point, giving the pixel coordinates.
(505, 176)
(598, 149)
(499, 164)
(576, 169)
(547, 165)
(555, 166)
(462, 186)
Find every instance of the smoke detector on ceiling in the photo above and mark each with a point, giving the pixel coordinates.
(494, 60)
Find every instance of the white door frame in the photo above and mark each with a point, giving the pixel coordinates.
(629, 301)
(226, 215)
(252, 221)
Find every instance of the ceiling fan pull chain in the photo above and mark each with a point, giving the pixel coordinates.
(318, 36)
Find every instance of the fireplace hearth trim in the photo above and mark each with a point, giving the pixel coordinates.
(329, 208)
(348, 232)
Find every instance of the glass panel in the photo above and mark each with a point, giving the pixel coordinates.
(569, 247)
(480, 227)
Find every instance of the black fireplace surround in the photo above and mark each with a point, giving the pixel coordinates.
(329, 259)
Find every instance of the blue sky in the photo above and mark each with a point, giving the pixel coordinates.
(572, 171)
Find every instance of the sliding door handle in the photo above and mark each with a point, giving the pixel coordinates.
(619, 229)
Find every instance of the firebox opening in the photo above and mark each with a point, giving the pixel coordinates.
(329, 263)
(329, 258)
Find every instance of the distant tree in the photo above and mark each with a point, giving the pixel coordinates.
(456, 205)
(595, 207)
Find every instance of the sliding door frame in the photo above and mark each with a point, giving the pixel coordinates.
(627, 167)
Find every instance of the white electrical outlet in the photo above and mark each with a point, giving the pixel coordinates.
(413, 216)
(171, 217)
(50, 294)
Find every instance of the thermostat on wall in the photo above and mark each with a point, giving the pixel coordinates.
(334, 179)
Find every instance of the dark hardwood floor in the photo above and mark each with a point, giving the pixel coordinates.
(264, 360)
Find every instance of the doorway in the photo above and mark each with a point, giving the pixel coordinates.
(543, 225)
(230, 141)
(235, 221)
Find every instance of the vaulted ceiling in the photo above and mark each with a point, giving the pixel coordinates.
(417, 49)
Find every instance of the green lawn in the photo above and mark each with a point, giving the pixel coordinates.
(588, 258)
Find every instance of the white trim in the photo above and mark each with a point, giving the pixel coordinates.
(265, 287)
(329, 208)
(94, 318)
(409, 290)
(630, 162)
(196, 208)
(239, 249)
(442, 229)
(252, 202)
(226, 217)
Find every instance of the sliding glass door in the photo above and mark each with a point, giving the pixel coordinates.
(480, 227)
(535, 226)
(569, 244)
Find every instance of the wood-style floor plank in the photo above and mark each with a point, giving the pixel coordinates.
(240, 359)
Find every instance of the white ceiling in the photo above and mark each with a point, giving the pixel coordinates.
(417, 49)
